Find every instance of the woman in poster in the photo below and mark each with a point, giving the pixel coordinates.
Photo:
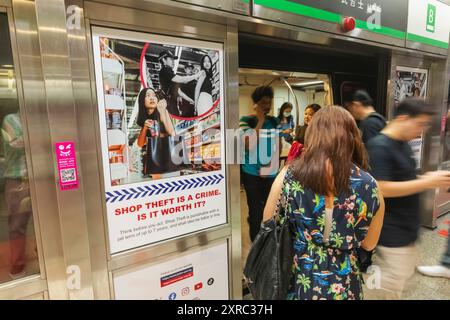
(156, 135)
(203, 90)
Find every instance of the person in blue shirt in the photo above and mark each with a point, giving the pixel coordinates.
(286, 121)
(261, 160)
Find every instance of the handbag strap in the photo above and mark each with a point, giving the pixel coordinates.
(282, 203)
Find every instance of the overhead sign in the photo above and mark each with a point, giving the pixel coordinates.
(429, 23)
(386, 17)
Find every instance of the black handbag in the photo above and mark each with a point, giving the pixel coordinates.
(157, 158)
(268, 268)
(364, 258)
(157, 155)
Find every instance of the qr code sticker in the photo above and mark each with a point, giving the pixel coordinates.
(68, 175)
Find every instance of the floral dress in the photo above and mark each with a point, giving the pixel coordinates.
(329, 271)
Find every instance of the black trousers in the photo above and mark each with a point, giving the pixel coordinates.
(257, 190)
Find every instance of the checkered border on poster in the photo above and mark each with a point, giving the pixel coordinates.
(162, 188)
(415, 143)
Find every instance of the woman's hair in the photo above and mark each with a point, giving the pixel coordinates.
(208, 72)
(332, 136)
(143, 114)
(301, 131)
(284, 106)
(315, 107)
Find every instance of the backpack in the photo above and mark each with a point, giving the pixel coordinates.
(379, 116)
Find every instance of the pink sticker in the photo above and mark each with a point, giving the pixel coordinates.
(67, 165)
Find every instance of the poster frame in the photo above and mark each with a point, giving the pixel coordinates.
(213, 44)
(166, 258)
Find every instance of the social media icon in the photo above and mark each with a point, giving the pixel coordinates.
(185, 291)
(198, 286)
(210, 281)
(172, 296)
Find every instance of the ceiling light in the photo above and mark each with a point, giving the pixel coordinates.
(309, 83)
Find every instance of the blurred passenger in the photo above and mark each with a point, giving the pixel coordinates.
(370, 121)
(286, 121)
(257, 177)
(17, 193)
(334, 206)
(442, 270)
(393, 165)
(299, 140)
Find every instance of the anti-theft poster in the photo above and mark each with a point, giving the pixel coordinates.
(411, 83)
(161, 107)
(198, 274)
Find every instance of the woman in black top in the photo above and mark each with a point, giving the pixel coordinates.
(301, 130)
(156, 135)
(203, 90)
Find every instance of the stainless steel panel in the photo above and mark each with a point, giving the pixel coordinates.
(141, 255)
(167, 257)
(442, 203)
(233, 170)
(78, 40)
(5, 3)
(156, 23)
(53, 40)
(23, 288)
(42, 179)
(237, 6)
(177, 8)
(436, 82)
(39, 296)
(12, 32)
(310, 23)
(424, 47)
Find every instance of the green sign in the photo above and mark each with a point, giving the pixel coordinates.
(431, 18)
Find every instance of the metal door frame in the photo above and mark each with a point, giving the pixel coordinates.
(34, 286)
(436, 67)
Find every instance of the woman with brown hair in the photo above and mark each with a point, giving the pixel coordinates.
(334, 206)
(299, 139)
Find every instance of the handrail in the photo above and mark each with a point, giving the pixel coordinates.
(297, 109)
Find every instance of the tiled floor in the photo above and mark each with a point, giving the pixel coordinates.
(431, 246)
